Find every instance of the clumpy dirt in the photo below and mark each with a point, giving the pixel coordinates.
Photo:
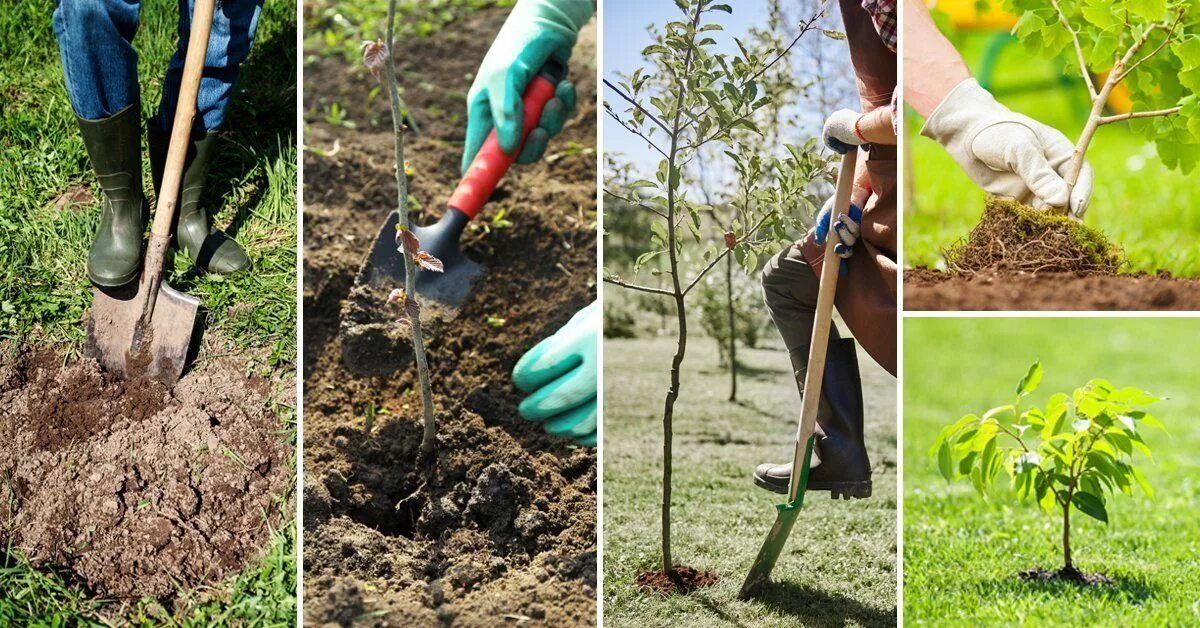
(503, 529)
(1011, 236)
(926, 289)
(683, 580)
(133, 489)
(1067, 574)
(1018, 258)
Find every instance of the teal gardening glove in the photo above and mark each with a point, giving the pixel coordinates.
(537, 31)
(560, 372)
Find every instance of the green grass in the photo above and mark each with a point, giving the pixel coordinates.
(962, 554)
(43, 249)
(1146, 208)
(839, 565)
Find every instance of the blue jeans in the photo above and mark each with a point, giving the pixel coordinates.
(100, 64)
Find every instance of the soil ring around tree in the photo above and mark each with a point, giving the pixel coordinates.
(1067, 574)
(504, 527)
(133, 489)
(682, 580)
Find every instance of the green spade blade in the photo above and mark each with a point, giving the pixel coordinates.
(785, 518)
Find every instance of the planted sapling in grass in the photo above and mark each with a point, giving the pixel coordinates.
(1071, 455)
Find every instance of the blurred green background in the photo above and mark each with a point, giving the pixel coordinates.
(962, 554)
(1148, 209)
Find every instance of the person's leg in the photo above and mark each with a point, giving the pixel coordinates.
(100, 71)
(790, 289)
(233, 29)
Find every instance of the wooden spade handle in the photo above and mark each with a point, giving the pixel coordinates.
(181, 131)
(814, 377)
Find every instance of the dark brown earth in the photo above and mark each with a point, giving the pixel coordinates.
(1066, 574)
(682, 580)
(504, 529)
(130, 488)
(926, 289)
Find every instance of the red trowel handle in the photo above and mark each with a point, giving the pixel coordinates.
(490, 162)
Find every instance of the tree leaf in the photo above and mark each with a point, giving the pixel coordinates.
(945, 461)
(1090, 505)
(1032, 378)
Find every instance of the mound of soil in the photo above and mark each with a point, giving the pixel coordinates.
(1067, 574)
(683, 580)
(926, 289)
(134, 489)
(1013, 237)
(503, 529)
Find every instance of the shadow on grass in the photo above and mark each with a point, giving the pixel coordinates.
(750, 371)
(822, 608)
(1129, 590)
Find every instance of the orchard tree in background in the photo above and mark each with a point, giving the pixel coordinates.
(1152, 46)
(1069, 456)
(689, 97)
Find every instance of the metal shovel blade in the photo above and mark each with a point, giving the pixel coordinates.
(785, 518)
(372, 342)
(164, 342)
(385, 266)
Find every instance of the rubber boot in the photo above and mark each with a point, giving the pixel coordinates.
(209, 248)
(844, 469)
(114, 145)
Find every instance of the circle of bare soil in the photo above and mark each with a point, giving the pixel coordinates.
(927, 289)
(683, 580)
(134, 489)
(503, 527)
(1066, 574)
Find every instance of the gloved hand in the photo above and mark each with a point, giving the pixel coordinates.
(1006, 153)
(840, 132)
(560, 371)
(535, 32)
(846, 230)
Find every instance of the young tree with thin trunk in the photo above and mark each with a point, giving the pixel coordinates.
(690, 98)
(378, 55)
(1150, 46)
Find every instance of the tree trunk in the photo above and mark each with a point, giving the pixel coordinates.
(668, 420)
(732, 351)
(1067, 564)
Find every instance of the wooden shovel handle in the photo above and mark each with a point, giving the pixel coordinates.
(814, 377)
(181, 131)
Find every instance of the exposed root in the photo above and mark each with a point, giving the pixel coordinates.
(1014, 237)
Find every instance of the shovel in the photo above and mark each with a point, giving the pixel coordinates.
(370, 345)
(144, 329)
(786, 514)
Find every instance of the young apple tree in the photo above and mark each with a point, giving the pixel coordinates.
(377, 55)
(688, 97)
(1071, 455)
(1151, 46)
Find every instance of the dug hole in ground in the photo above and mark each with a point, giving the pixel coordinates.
(133, 489)
(504, 530)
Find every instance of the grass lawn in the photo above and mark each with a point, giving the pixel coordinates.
(839, 565)
(48, 215)
(962, 554)
(1146, 208)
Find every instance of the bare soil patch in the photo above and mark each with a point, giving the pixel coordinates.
(926, 289)
(682, 580)
(1066, 574)
(133, 489)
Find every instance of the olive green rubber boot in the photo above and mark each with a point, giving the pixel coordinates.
(209, 248)
(114, 145)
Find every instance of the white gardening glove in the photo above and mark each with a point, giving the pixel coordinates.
(839, 132)
(1006, 153)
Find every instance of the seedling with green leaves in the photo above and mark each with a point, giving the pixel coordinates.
(690, 96)
(1150, 46)
(1071, 455)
